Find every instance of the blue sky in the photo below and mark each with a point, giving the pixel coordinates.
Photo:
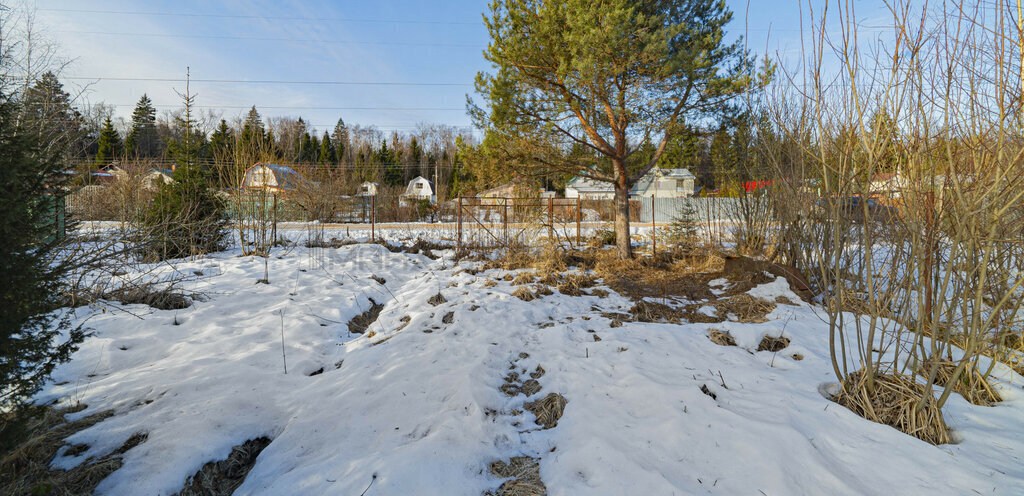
(401, 41)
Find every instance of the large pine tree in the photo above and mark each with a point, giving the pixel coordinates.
(143, 140)
(48, 109)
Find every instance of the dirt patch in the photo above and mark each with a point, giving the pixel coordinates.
(221, 478)
(739, 265)
(746, 308)
(538, 372)
(524, 472)
(721, 338)
(547, 410)
(360, 323)
(26, 469)
(405, 322)
(448, 318)
(380, 280)
(893, 401)
(704, 389)
(773, 344)
(437, 299)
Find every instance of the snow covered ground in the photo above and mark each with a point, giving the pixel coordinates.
(413, 406)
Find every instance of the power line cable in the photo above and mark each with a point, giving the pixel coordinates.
(296, 40)
(262, 81)
(260, 17)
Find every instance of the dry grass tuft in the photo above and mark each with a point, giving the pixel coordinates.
(572, 284)
(525, 474)
(746, 308)
(646, 311)
(893, 401)
(437, 299)
(547, 409)
(530, 387)
(160, 298)
(524, 278)
(223, 477)
(490, 283)
(524, 293)
(721, 338)
(773, 344)
(360, 323)
(971, 384)
(26, 469)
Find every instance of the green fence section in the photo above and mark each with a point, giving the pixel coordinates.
(54, 218)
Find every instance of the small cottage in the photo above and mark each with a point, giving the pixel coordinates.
(272, 177)
(418, 189)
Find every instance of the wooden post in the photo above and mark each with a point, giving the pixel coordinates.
(458, 217)
(654, 234)
(373, 218)
(504, 222)
(551, 219)
(273, 231)
(579, 222)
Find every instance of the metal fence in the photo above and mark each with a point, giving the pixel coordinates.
(701, 210)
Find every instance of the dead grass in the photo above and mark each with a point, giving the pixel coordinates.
(490, 283)
(524, 278)
(221, 478)
(773, 344)
(746, 308)
(721, 338)
(360, 323)
(971, 384)
(893, 402)
(524, 293)
(524, 472)
(160, 297)
(646, 311)
(437, 299)
(26, 469)
(547, 409)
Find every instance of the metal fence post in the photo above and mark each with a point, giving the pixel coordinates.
(504, 221)
(373, 218)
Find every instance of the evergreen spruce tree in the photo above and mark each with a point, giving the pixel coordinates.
(186, 217)
(392, 173)
(221, 141)
(33, 340)
(326, 150)
(305, 148)
(109, 145)
(314, 150)
(340, 139)
(143, 140)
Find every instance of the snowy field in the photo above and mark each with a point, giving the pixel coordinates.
(413, 406)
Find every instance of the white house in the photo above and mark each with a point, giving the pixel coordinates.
(272, 177)
(585, 188)
(367, 189)
(664, 183)
(418, 189)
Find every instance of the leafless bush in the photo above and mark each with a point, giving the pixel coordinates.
(919, 280)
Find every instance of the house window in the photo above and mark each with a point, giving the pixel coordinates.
(419, 185)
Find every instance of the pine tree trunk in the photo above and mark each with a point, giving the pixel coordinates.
(622, 241)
